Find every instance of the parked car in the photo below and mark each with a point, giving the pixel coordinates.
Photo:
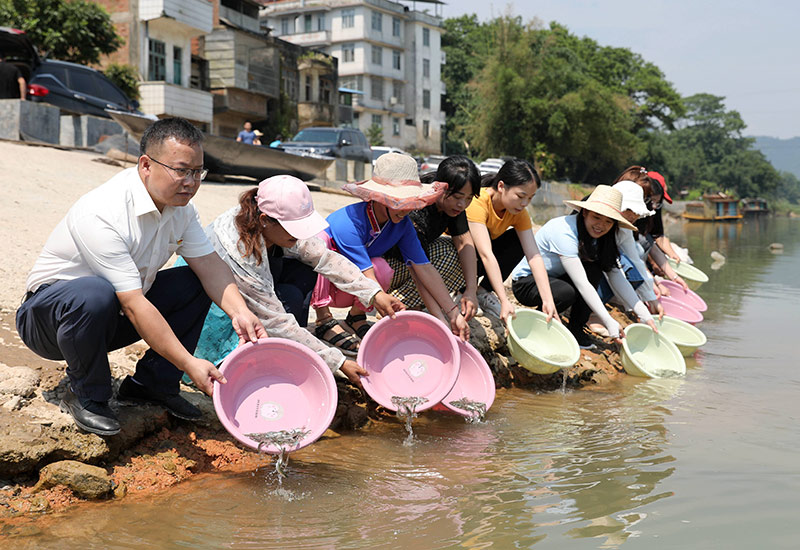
(71, 87)
(379, 150)
(431, 163)
(345, 143)
(490, 166)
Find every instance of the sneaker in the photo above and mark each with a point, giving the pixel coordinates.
(489, 302)
(584, 342)
(132, 392)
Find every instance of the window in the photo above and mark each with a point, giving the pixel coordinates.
(377, 55)
(426, 99)
(348, 53)
(308, 87)
(396, 59)
(397, 91)
(426, 68)
(307, 22)
(91, 83)
(377, 120)
(321, 22)
(177, 65)
(395, 126)
(285, 25)
(156, 60)
(395, 26)
(377, 21)
(426, 37)
(325, 88)
(426, 128)
(352, 82)
(348, 18)
(376, 91)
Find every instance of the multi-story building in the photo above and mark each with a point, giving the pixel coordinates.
(158, 41)
(386, 50)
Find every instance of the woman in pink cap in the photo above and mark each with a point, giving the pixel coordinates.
(269, 241)
(365, 231)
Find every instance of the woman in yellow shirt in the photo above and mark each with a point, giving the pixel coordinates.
(502, 205)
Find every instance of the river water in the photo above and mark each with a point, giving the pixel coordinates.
(708, 461)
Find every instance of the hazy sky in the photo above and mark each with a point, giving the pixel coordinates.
(748, 52)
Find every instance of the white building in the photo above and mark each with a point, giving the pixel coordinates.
(385, 49)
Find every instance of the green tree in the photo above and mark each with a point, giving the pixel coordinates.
(74, 30)
(126, 77)
(375, 135)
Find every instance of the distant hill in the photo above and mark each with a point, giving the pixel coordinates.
(784, 154)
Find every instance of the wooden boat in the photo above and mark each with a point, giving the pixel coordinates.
(713, 207)
(227, 156)
(754, 207)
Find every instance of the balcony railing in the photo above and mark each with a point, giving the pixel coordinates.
(164, 99)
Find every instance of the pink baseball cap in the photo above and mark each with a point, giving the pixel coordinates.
(288, 200)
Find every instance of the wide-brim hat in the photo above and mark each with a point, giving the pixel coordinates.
(660, 179)
(633, 198)
(605, 201)
(395, 183)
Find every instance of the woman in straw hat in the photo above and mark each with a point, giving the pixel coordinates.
(453, 255)
(579, 249)
(270, 242)
(502, 205)
(365, 231)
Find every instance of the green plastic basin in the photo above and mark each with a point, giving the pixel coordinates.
(650, 354)
(539, 346)
(687, 337)
(693, 276)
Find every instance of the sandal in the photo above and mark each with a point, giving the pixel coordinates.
(362, 330)
(342, 341)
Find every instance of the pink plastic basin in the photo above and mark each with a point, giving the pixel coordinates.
(413, 355)
(275, 384)
(679, 310)
(475, 381)
(688, 297)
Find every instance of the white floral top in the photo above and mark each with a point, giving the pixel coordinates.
(256, 284)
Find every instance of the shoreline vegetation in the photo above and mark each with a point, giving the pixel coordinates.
(155, 451)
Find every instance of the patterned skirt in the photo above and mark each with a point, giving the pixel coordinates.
(443, 256)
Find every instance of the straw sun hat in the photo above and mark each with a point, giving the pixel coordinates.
(606, 201)
(395, 183)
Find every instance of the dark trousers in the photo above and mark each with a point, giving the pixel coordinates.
(580, 309)
(508, 252)
(527, 293)
(79, 321)
(294, 282)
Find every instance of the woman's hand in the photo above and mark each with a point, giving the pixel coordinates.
(652, 325)
(468, 305)
(549, 309)
(506, 309)
(386, 304)
(678, 279)
(247, 327)
(353, 371)
(655, 307)
(458, 324)
(660, 290)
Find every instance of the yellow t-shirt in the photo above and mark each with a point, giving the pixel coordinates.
(481, 210)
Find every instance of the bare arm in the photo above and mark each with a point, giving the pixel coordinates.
(665, 244)
(483, 243)
(155, 330)
(465, 248)
(23, 88)
(219, 284)
(539, 272)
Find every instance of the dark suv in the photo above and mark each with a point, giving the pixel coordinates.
(71, 87)
(346, 143)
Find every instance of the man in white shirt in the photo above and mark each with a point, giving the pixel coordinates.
(96, 285)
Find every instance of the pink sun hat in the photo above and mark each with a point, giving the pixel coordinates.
(395, 183)
(288, 200)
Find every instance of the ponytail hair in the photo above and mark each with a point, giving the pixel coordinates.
(513, 173)
(456, 171)
(249, 226)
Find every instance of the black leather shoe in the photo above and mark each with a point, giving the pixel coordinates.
(176, 405)
(91, 416)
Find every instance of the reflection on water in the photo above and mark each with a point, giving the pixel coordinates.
(707, 461)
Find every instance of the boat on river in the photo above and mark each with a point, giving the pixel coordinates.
(226, 156)
(715, 207)
(755, 206)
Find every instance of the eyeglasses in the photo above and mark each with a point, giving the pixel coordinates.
(184, 173)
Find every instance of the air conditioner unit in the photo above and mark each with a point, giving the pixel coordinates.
(393, 101)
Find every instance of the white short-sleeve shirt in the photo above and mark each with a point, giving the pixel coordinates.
(116, 232)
